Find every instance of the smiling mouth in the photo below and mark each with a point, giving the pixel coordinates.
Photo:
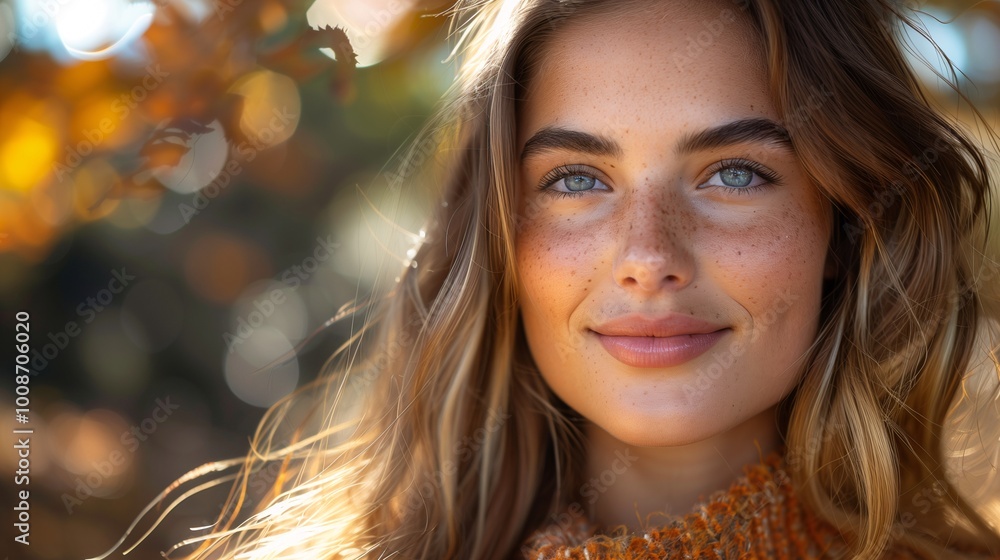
(659, 351)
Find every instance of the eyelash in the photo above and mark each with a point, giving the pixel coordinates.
(560, 173)
(770, 177)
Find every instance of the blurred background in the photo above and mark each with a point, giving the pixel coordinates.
(188, 189)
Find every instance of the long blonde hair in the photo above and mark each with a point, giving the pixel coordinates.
(432, 434)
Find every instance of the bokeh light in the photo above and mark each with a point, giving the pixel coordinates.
(271, 108)
(26, 153)
(368, 24)
(251, 371)
(8, 31)
(133, 213)
(277, 305)
(964, 35)
(984, 36)
(220, 267)
(92, 184)
(88, 439)
(947, 36)
(206, 154)
(97, 29)
(374, 246)
(53, 202)
(164, 217)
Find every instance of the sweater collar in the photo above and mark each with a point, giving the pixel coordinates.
(757, 516)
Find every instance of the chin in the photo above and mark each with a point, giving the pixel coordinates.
(659, 428)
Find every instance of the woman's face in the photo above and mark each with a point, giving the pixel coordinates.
(670, 249)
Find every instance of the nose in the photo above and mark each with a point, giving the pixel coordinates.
(654, 253)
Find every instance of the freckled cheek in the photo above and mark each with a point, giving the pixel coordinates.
(553, 268)
(553, 246)
(760, 258)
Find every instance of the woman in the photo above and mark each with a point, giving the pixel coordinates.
(709, 258)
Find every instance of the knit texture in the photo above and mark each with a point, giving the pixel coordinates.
(757, 517)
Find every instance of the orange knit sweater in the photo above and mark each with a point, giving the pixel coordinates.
(757, 517)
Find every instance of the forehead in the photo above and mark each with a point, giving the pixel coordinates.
(648, 66)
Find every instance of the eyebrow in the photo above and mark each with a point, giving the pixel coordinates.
(553, 138)
(755, 130)
(743, 131)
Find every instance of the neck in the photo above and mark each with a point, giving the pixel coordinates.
(625, 483)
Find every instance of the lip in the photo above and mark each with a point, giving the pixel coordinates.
(639, 341)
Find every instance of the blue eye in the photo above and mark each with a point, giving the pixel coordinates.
(571, 180)
(741, 176)
(736, 176)
(578, 182)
